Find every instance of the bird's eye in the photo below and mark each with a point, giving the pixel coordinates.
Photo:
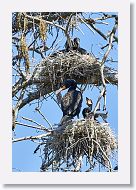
(63, 87)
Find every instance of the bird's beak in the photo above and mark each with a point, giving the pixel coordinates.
(88, 101)
(59, 90)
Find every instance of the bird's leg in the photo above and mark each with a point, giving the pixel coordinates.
(104, 96)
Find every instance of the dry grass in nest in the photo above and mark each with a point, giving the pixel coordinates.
(78, 139)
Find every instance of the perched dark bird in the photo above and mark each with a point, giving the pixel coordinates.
(87, 111)
(76, 43)
(76, 46)
(71, 102)
(71, 45)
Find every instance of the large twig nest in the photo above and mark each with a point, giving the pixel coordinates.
(81, 138)
(85, 69)
(49, 73)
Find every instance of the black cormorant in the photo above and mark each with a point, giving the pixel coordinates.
(76, 46)
(76, 43)
(72, 45)
(71, 102)
(87, 111)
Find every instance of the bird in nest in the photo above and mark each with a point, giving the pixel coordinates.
(71, 102)
(87, 111)
(88, 114)
(74, 45)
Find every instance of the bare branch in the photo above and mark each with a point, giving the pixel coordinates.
(86, 24)
(110, 44)
(38, 137)
(31, 126)
(44, 117)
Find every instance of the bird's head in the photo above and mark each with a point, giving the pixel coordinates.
(68, 83)
(76, 40)
(89, 102)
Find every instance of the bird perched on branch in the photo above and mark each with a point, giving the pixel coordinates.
(71, 102)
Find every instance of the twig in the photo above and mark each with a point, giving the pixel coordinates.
(103, 154)
(98, 101)
(86, 24)
(44, 118)
(31, 137)
(98, 31)
(47, 22)
(110, 44)
(78, 164)
(15, 110)
(35, 127)
(27, 119)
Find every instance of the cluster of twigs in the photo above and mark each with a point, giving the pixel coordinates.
(71, 143)
(83, 68)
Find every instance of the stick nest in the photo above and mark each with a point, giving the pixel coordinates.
(76, 140)
(85, 69)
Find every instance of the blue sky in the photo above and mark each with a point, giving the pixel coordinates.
(23, 158)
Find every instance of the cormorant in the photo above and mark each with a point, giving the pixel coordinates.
(87, 111)
(72, 45)
(76, 46)
(76, 43)
(71, 102)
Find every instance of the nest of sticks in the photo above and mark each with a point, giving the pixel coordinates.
(85, 69)
(76, 140)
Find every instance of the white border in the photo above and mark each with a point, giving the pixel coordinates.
(120, 177)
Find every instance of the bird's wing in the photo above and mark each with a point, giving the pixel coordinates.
(82, 51)
(66, 102)
(71, 103)
(77, 103)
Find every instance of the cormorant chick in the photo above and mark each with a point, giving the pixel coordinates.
(76, 46)
(87, 111)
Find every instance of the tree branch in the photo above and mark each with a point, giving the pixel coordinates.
(38, 137)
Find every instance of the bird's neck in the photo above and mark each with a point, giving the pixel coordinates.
(90, 107)
(72, 88)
